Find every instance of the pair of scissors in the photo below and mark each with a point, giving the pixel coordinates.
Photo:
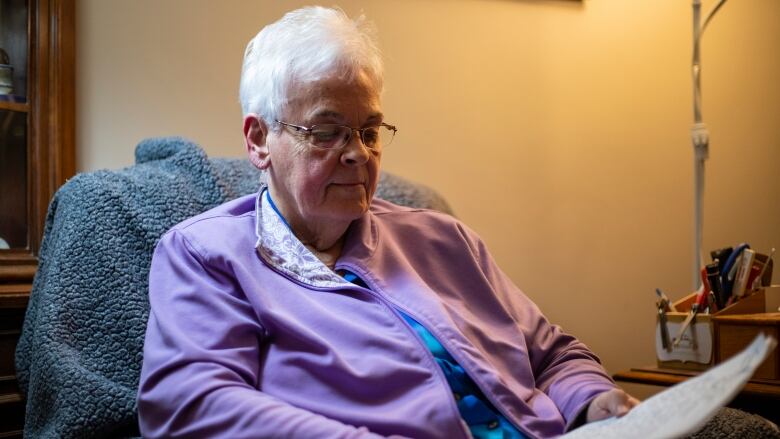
(665, 341)
(663, 304)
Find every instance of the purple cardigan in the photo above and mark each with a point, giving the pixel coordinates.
(251, 336)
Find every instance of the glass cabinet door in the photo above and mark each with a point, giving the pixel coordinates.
(13, 42)
(14, 121)
(13, 179)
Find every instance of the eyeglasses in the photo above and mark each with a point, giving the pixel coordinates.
(334, 136)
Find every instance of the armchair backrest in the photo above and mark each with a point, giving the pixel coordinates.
(79, 356)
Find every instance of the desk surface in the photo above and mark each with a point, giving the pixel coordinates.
(669, 377)
(758, 396)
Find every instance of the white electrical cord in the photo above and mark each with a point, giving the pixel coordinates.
(711, 14)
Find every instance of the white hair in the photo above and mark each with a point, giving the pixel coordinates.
(304, 46)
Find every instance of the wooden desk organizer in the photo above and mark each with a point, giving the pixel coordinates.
(698, 343)
(735, 331)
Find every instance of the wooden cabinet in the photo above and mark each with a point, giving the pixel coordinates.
(37, 126)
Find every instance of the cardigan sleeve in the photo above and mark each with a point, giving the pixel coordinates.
(563, 367)
(201, 359)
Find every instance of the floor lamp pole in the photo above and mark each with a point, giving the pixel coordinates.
(701, 139)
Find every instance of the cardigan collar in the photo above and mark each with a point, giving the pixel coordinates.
(278, 246)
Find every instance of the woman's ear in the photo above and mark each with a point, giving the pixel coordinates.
(256, 141)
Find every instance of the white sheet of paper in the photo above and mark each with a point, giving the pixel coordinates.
(684, 408)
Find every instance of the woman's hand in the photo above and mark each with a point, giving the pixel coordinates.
(614, 402)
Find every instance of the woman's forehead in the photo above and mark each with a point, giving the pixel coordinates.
(335, 99)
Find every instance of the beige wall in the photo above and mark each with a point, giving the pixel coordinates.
(559, 130)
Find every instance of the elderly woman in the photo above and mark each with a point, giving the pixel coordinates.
(312, 310)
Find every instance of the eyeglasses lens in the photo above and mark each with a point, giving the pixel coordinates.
(336, 136)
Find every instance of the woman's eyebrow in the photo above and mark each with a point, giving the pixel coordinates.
(335, 115)
(375, 117)
(327, 114)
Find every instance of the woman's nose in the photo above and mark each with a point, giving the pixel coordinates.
(355, 152)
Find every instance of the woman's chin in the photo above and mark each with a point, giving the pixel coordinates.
(348, 209)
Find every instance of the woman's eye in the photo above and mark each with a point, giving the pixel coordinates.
(370, 136)
(325, 135)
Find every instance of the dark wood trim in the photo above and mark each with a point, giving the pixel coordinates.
(13, 397)
(14, 296)
(14, 106)
(37, 160)
(20, 272)
(63, 20)
(10, 289)
(9, 390)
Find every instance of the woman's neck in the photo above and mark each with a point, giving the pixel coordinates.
(328, 256)
(324, 240)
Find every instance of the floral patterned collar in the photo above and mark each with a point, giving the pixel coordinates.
(278, 246)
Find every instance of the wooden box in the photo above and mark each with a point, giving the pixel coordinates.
(697, 344)
(734, 332)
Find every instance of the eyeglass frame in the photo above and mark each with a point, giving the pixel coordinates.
(308, 132)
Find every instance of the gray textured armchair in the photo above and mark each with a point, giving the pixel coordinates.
(79, 356)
